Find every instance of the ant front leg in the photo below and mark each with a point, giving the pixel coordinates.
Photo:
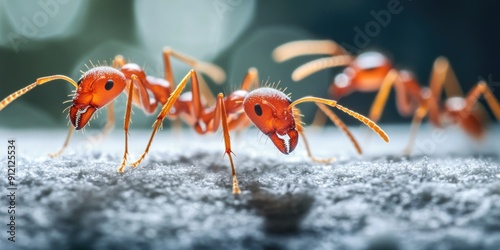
(110, 122)
(443, 76)
(339, 123)
(218, 116)
(168, 105)
(482, 89)
(297, 115)
(227, 140)
(381, 98)
(126, 122)
(106, 130)
(65, 145)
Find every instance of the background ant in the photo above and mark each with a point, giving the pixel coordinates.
(373, 71)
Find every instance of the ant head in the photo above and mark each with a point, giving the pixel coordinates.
(365, 73)
(269, 110)
(97, 88)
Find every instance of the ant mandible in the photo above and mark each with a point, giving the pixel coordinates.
(371, 71)
(269, 109)
(101, 85)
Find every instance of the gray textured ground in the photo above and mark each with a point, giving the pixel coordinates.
(180, 198)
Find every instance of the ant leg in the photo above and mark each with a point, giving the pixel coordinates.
(293, 49)
(332, 117)
(110, 123)
(320, 64)
(308, 149)
(443, 76)
(297, 115)
(169, 76)
(227, 140)
(66, 142)
(109, 126)
(319, 119)
(381, 99)
(251, 80)
(126, 121)
(168, 105)
(482, 89)
(206, 92)
(420, 113)
(336, 120)
(118, 62)
(220, 115)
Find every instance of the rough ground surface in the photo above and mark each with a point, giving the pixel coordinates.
(180, 197)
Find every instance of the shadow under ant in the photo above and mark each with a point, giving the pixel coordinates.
(282, 213)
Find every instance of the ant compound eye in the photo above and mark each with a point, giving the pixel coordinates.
(257, 109)
(109, 85)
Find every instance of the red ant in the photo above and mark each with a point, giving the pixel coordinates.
(372, 71)
(269, 109)
(101, 85)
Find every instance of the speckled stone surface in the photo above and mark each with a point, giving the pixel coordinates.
(445, 196)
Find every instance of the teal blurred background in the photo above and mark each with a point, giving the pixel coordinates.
(46, 37)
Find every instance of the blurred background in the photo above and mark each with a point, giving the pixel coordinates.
(46, 37)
